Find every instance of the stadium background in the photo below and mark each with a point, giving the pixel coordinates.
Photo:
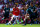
(19, 4)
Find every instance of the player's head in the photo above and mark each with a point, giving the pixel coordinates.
(27, 6)
(31, 4)
(6, 6)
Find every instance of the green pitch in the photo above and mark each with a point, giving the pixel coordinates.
(20, 25)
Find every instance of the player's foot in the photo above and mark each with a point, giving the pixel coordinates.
(10, 23)
(7, 23)
(30, 24)
(20, 22)
(13, 23)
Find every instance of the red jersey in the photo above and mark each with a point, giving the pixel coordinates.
(16, 11)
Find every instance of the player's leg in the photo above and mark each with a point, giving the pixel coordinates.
(25, 20)
(31, 17)
(26, 17)
(17, 19)
(14, 20)
(7, 16)
(11, 19)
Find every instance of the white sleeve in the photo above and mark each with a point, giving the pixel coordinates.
(18, 7)
(11, 9)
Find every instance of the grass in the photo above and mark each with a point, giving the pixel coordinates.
(20, 25)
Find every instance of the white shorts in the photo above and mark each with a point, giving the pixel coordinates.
(14, 16)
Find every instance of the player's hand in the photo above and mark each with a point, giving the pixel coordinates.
(3, 11)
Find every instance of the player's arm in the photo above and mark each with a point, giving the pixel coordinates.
(4, 10)
(34, 9)
(20, 8)
(11, 9)
(3, 13)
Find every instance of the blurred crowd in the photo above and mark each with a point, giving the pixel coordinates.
(20, 4)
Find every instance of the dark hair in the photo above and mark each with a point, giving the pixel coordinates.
(31, 2)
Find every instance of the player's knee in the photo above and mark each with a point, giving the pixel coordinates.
(11, 17)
